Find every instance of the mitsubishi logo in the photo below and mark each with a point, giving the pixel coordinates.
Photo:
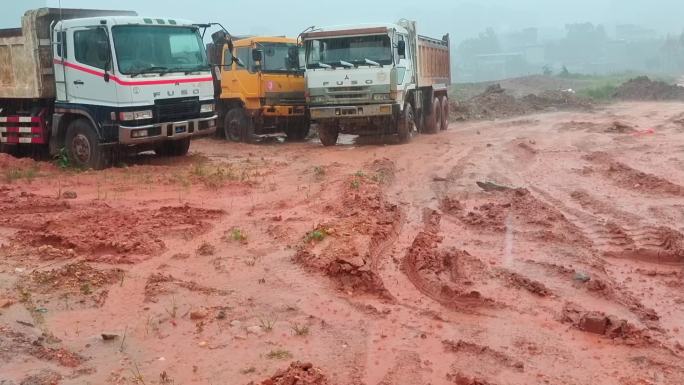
(346, 77)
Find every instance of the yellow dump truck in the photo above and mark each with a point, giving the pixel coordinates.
(259, 87)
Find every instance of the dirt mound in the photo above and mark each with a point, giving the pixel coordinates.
(597, 322)
(643, 88)
(443, 275)
(459, 378)
(8, 162)
(348, 248)
(483, 352)
(526, 214)
(496, 103)
(74, 276)
(297, 374)
(13, 343)
(101, 232)
(632, 179)
(165, 284)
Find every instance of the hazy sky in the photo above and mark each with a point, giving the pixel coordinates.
(461, 18)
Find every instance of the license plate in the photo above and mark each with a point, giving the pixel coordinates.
(181, 129)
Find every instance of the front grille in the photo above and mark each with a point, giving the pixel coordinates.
(169, 110)
(285, 99)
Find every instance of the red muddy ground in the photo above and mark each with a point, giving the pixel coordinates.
(374, 264)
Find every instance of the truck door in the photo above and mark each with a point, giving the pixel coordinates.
(405, 65)
(88, 59)
(244, 79)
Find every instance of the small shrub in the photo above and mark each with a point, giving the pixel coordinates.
(238, 235)
(267, 324)
(279, 354)
(317, 235)
(300, 330)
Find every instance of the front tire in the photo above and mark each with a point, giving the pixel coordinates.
(328, 134)
(83, 146)
(237, 126)
(174, 148)
(407, 124)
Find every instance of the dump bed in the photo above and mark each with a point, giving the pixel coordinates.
(432, 56)
(434, 61)
(26, 68)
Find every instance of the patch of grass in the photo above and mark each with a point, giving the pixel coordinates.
(380, 177)
(600, 93)
(173, 311)
(238, 235)
(355, 184)
(86, 289)
(317, 235)
(319, 172)
(14, 174)
(279, 354)
(300, 330)
(359, 174)
(267, 324)
(249, 370)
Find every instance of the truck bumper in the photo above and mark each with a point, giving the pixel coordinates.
(167, 131)
(275, 111)
(364, 111)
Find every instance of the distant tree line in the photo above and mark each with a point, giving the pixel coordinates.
(586, 48)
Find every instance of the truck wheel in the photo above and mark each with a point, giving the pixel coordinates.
(237, 126)
(83, 146)
(406, 125)
(328, 134)
(174, 148)
(445, 113)
(297, 130)
(433, 120)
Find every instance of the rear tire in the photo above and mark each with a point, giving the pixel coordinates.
(174, 148)
(406, 125)
(328, 134)
(237, 126)
(444, 102)
(297, 130)
(433, 120)
(83, 146)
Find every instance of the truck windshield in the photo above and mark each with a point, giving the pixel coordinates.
(156, 49)
(357, 50)
(280, 57)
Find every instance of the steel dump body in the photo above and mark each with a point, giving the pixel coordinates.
(26, 63)
(434, 61)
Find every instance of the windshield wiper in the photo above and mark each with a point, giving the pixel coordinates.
(150, 70)
(371, 62)
(324, 65)
(196, 69)
(346, 64)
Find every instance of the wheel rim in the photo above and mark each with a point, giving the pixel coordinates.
(410, 122)
(233, 130)
(81, 148)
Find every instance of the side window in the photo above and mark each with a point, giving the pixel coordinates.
(402, 38)
(61, 44)
(245, 57)
(90, 47)
(227, 60)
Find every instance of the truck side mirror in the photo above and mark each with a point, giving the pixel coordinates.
(401, 48)
(257, 55)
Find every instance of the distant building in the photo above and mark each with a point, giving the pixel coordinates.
(634, 33)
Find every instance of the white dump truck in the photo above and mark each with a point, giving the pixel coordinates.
(376, 80)
(94, 82)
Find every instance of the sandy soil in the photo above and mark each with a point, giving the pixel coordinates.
(359, 264)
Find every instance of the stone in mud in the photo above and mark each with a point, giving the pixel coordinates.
(69, 195)
(594, 322)
(199, 314)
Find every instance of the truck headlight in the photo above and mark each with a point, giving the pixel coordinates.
(381, 97)
(206, 108)
(135, 115)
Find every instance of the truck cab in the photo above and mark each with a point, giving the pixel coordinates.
(262, 89)
(379, 79)
(139, 81)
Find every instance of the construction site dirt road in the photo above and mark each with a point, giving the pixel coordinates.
(546, 249)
